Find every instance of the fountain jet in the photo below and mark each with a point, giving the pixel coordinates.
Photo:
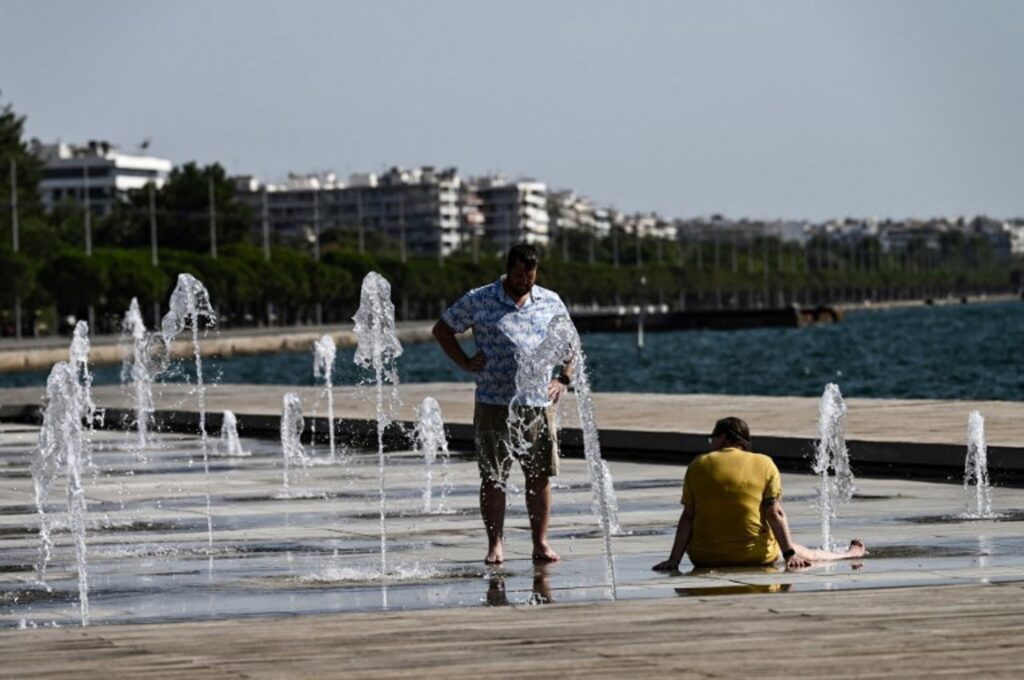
(378, 348)
(231, 445)
(292, 426)
(832, 461)
(189, 303)
(62, 448)
(432, 444)
(136, 370)
(562, 344)
(324, 352)
(977, 501)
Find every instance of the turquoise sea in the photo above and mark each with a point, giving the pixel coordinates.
(944, 352)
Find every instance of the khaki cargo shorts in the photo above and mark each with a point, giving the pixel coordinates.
(535, 435)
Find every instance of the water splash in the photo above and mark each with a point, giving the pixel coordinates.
(832, 461)
(977, 500)
(292, 426)
(136, 370)
(62, 448)
(230, 444)
(324, 353)
(377, 349)
(79, 357)
(562, 344)
(432, 444)
(189, 304)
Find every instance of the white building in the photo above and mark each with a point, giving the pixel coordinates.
(96, 174)
(418, 208)
(514, 212)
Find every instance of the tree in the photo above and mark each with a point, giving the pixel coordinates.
(75, 281)
(183, 211)
(28, 171)
(16, 275)
(129, 274)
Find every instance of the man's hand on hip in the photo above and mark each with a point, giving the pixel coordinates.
(476, 363)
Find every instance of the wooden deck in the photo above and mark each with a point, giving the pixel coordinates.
(952, 631)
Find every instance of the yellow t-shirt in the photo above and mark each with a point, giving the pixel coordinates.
(725, 489)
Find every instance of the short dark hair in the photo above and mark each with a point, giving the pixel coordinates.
(735, 430)
(522, 252)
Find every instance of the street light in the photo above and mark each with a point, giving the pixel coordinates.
(14, 242)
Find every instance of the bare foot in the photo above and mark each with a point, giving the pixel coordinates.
(495, 554)
(856, 549)
(542, 552)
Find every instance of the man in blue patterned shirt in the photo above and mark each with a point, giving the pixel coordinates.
(509, 319)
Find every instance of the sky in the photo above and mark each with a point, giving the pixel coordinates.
(782, 109)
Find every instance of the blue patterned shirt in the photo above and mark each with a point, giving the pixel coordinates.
(500, 329)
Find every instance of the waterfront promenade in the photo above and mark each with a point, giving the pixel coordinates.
(935, 596)
(33, 354)
(926, 437)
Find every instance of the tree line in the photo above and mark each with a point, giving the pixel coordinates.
(55, 280)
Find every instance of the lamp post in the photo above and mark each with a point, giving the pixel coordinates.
(266, 247)
(154, 254)
(14, 242)
(88, 237)
(213, 220)
(316, 247)
(401, 228)
(359, 221)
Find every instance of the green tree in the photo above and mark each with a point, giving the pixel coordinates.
(27, 168)
(17, 271)
(74, 281)
(129, 274)
(183, 212)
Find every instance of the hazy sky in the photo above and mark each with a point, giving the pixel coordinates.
(764, 109)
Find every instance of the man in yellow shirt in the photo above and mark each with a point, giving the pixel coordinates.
(732, 510)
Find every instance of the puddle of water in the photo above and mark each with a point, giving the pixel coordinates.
(1004, 516)
(744, 589)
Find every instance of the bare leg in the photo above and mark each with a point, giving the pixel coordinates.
(538, 505)
(855, 550)
(492, 509)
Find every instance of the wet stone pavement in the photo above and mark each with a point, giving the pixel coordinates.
(316, 549)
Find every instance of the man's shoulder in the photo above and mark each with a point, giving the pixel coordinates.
(490, 289)
(547, 295)
(702, 460)
(481, 293)
(764, 459)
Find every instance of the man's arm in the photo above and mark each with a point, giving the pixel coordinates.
(556, 386)
(445, 337)
(780, 527)
(683, 532)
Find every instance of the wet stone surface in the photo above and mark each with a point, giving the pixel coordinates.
(316, 547)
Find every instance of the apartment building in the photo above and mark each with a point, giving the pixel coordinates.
(96, 174)
(418, 208)
(514, 212)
